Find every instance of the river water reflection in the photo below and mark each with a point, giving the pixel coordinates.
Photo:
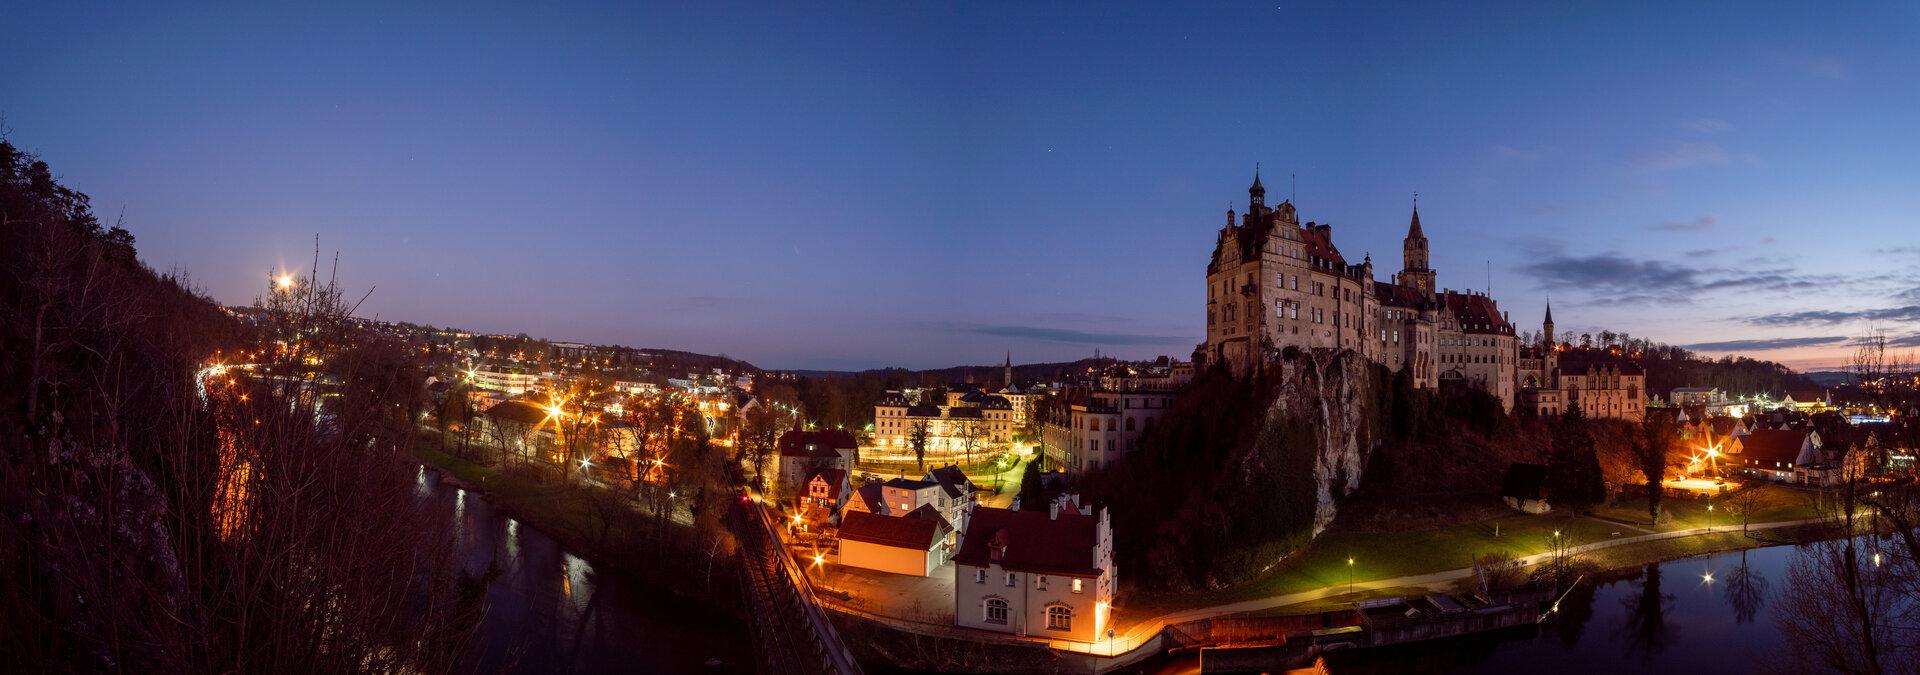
(549, 611)
(1707, 614)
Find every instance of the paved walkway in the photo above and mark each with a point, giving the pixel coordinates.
(1143, 633)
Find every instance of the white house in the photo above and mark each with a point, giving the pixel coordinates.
(1044, 573)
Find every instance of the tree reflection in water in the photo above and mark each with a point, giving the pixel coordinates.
(1746, 591)
(1646, 631)
(1575, 610)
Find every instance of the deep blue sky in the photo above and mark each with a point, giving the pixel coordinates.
(925, 184)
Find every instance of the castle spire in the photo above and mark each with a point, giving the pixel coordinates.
(1413, 228)
(1256, 195)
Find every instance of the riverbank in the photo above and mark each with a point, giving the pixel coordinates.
(602, 529)
(1319, 578)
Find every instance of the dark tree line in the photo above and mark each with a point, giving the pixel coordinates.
(161, 519)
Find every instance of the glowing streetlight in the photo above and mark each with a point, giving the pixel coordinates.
(1707, 578)
(819, 560)
(1350, 577)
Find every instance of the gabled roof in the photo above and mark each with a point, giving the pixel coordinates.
(920, 530)
(1031, 541)
(1768, 446)
(1476, 313)
(824, 443)
(518, 411)
(1396, 295)
(1318, 238)
(870, 497)
(951, 479)
(909, 483)
(834, 478)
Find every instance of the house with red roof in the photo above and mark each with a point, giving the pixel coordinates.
(915, 543)
(802, 452)
(1040, 573)
(1777, 454)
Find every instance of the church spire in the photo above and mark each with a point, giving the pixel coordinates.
(1009, 384)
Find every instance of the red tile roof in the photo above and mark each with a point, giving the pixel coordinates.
(1476, 313)
(1031, 541)
(1395, 295)
(1768, 446)
(920, 530)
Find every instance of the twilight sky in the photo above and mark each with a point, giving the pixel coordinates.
(925, 184)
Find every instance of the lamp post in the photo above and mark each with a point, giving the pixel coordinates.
(1356, 601)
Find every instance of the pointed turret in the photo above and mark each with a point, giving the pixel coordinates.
(1257, 194)
(1414, 271)
(1009, 383)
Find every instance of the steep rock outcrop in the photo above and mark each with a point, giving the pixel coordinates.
(1334, 392)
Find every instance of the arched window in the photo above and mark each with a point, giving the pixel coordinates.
(1129, 424)
(996, 611)
(1059, 618)
(1109, 424)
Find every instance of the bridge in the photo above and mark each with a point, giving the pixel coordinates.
(791, 633)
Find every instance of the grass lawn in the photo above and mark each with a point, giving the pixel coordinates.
(1770, 503)
(1385, 555)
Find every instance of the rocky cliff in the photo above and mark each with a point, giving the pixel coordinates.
(1335, 394)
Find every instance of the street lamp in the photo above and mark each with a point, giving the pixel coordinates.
(1350, 580)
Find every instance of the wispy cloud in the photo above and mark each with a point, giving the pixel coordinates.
(1828, 317)
(1677, 156)
(1060, 335)
(1695, 225)
(1621, 279)
(1763, 344)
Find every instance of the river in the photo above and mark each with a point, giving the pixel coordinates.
(1705, 614)
(1690, 615)
(550, 611)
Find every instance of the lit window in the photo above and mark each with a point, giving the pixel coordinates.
(1076, 585)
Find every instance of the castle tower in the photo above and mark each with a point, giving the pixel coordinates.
(1256, 195)
(1546, 327)
(1416, 272)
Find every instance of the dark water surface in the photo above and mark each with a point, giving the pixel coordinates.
(1662, 618)
(549, 611)
(1709, 614)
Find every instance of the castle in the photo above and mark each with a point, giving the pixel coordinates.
(1274, 283)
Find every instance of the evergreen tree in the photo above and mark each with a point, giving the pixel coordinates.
(1575, 463)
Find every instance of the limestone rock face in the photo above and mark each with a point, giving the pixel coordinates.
(1332, 391)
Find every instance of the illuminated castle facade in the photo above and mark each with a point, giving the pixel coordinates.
(1275, 283)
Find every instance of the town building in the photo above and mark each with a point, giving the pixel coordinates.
(1777, 454)
(967, 422)
(1275, 284)
(1553, 377)
(510, 381)
(1087, 430)
(916, 543)
(1043, 573)
(946, 489)
(803, 452)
